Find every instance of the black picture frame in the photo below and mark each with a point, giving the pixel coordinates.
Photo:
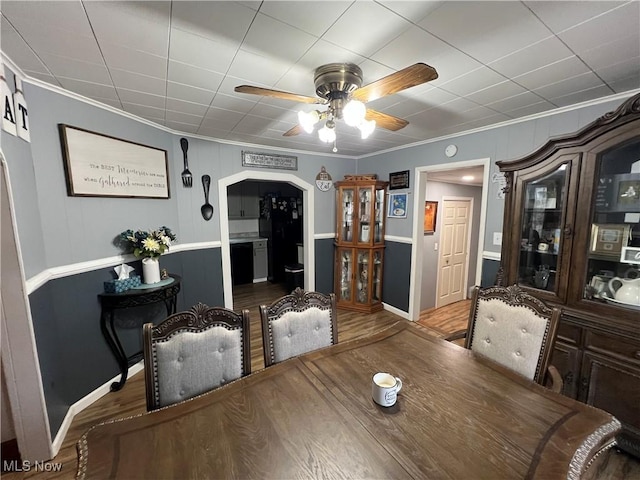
(399, 180)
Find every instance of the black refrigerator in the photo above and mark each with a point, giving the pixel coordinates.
(281, 224)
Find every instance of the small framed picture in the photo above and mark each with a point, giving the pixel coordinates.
(430, 215)
(609, 239)
(397, 205)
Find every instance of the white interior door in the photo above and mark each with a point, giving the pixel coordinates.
(454, 254)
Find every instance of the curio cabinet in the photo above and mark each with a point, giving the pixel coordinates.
(572, 238)
(359, 245)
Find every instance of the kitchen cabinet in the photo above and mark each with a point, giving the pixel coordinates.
(243, 200)
(359, 244)
(572, 238)
(260, 261)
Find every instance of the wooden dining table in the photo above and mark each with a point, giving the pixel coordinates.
(457, 416)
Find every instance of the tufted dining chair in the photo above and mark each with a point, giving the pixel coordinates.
(192, 352)
(298, 323)
(515, 329)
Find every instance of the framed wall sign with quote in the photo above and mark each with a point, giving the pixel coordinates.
(399, 180)
(97, 165)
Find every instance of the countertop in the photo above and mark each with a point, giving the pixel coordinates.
(234, 240)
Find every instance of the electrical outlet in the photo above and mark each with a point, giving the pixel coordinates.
(497, 238)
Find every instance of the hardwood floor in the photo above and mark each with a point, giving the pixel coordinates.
(131, 399)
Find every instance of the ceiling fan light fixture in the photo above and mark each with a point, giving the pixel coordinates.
(328, 133)
(353, 113)
(308, 120)
(366, 128)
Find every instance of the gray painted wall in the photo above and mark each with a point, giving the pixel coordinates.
(500, 143)
(56, 230)
(435, 192)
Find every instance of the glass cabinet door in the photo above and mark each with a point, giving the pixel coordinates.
(541, 230)
(376, 284)
(365, 211)
(613, 256)
(346, 212)
(362, 277)
(345, 267)
(378, 215)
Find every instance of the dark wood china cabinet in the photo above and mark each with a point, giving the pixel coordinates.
(572, 237)
(360, 216)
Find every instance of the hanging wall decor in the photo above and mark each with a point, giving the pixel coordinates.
(98, 165)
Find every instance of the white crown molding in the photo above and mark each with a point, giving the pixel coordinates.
(35, 282)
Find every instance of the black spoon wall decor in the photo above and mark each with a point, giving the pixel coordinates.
(207, 208)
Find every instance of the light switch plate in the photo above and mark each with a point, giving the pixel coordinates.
(497, 238)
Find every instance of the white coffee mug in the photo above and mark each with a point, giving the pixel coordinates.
(385, 388)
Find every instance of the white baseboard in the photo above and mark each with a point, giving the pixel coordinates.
(86, 401)
(397, 311)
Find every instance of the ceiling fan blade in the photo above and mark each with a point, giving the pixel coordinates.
(295, 130)
(401, 80)
(267, 92)
(386, 121)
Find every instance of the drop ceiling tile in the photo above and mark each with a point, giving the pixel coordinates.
(59, 16)
(83, 49)
(14, 47)
(532, 109)
(508, 104)
(270, 37)
(569, 85)
(220, 118)
(312, 17)
(141, 98)
(131, 24)
(190, 108)
(559, 16)
(143, 110)
(607, 54)
(44, 77)
(496, 92)
(552, 73)
(183, 117)
(298, 79)
(249, 65)
(201, 52)
(322, 53)
(353, 30)
(224, 22)
(532, 57)
(188, 93)
(412, 11)
(89, 90)
(581, 95)
(485, 30)
(140, 83)
(193, 76)
(622, 70)
(71, 68)
(618, 23)
(123, 58)
(412, 46)
(478, 79)
(228, 102)
(625, 84)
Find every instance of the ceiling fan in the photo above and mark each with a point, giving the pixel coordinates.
(339, 86)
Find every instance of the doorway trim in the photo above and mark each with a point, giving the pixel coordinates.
(20, 363)
(420, 187)
(307, 225)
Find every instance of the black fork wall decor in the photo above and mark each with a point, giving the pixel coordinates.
(187, 178)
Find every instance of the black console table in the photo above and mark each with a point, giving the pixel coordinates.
(111, 302)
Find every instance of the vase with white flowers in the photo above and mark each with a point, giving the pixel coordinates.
(148, 245)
